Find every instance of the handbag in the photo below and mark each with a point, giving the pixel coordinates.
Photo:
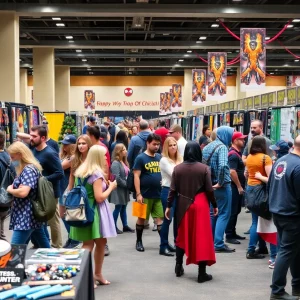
(130, 182)
(6, 198)
(258, 200)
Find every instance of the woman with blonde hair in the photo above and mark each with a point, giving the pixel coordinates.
(24, 189)
(120, 196)
(98, 190)
(170, 158)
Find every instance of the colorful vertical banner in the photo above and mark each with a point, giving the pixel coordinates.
(287, 124)
(176, 97)
(217, 75)
(253, 58)
(162, 104)
(89, 99)
(199, 86)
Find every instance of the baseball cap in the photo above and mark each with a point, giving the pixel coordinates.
(238, 135)
(175, 128)
(69, 139)
(92, 119)
(280, 146)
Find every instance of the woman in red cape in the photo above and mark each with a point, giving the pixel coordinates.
(191, 183)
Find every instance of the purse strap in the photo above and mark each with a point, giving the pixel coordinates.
(212, 153)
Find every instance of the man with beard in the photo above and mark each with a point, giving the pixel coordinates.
(147, 182)
(256, 128)
(52, 170)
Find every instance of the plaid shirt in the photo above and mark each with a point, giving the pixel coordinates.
(220, 172)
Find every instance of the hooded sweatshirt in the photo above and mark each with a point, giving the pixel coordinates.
(220, 172)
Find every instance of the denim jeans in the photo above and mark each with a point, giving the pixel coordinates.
(120, 210)
(289, 253)
(219, 223)
(23, 236)
(164, 232)
(236, 205)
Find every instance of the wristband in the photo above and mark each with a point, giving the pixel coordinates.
(138, 194)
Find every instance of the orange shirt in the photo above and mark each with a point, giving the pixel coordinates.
(254, 163)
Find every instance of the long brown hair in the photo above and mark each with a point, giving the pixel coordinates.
(77, 160)
(67, 154)
(116, 154)
(258, 145)
(165, 152)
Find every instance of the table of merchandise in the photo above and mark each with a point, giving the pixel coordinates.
(83, 281)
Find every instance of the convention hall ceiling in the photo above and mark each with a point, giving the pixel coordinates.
(154, 37)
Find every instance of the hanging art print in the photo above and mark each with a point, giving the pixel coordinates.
(253, 58)
(176, 97)
(217, 75)
(199, 86)
(89, 99)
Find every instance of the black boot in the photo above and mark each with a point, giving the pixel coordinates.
(159, 228)
(139, 233)
(179, 271)
(202, 275)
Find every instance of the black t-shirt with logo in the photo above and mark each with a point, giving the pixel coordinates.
(236, 163)
(150, 179)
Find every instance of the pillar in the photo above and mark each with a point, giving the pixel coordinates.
(24, 87)
(62, 88)
(187, 91)
(9, 57)
(44, 78)
(238, 93)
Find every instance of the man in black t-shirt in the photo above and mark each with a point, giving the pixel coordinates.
(147, 182)
(238, 180)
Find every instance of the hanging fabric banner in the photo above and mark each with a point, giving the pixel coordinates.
(253, 58)
(287, 124)
(199, 86)
(217, 75)
(162, 104)
(176, 97)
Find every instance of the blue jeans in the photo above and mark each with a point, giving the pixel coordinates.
(219, 223)
(120, 210)
(23, 236)
(164, 232)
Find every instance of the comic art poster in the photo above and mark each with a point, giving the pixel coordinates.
(253, 58)
(162, 100)
(287, 124)
(168, 102)
(176, 97)
(217, 75)
(292, 81)
(199, 86)
(89, 99)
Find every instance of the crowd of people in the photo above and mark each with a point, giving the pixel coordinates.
(200, 186)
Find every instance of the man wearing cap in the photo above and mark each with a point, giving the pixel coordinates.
(281, 148)
(176, 132)
(237, 169)
(91, 121)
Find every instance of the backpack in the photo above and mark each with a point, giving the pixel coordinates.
(8, 178)
(207, 162)
(79, 213)
(44, 205)
(137, 149)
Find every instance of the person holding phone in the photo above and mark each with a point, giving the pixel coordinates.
(120, 196)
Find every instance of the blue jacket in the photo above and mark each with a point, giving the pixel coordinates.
(136, 143)
(220, 172)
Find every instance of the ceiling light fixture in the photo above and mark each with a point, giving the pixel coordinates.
(166, 34)
(198, 42)
(181, 60)
(91, 73)
(60, 24)
(130, 73)
(267, 38)
(189, 51)
(70, 41)
(169, 73)
(202, 38)
(215, 25)
(186, 55)
(56, 19)
(296, 60)
(271, 73)
(69, 37)
(78, 50)
(296, 20)
(84, 59)
(290, 26)
(89, 69)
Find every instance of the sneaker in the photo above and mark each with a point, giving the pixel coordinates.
(74, 245)
(107, 252)
(284, 296)
(247, 232)
(154, 227)
(272, 265)
(254, 255)
(119, 231)
(247, 211)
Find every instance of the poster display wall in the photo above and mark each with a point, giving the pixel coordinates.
(287, 124)
(199, 86)
(217, 75)
(253, 58)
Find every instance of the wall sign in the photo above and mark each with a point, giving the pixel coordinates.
(280, 97)
(272, 99)
(257, 101)
(249, 102)
(264, 100)
(291, 96)
(128, 92)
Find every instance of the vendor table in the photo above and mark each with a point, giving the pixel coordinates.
(83, 281)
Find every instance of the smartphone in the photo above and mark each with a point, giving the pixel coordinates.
(112, 177)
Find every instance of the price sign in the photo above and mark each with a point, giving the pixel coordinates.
(291, 96)
(280, 97)
(227, 106)
(250, 103)
(257, 101)
(264, 100)
(272, 99)
(231, 105)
